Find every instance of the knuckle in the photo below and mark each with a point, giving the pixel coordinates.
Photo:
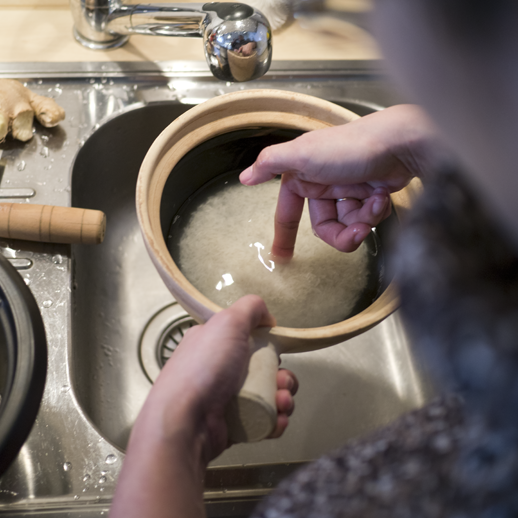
(288, 224)
(265, 158)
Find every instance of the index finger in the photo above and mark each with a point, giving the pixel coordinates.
(287, 218)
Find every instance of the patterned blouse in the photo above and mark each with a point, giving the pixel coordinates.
(458, 456)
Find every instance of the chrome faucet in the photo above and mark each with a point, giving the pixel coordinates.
(236, 38)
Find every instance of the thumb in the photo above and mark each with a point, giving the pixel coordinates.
(245, 314)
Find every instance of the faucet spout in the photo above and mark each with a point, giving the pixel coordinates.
(236, 38)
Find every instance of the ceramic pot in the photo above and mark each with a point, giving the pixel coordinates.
(171, 172)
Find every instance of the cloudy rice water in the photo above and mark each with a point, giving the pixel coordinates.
(224, 251)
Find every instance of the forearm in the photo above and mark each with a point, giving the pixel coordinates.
(384, 149)
(162, 474)
(416, 141)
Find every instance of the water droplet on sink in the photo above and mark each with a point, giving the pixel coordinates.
(65, 388)
(76, 497)
(55, 91)
(111, 459)
(47, 303)
(67, 466)
(57, 259)
(21, 165)
(44, 152)
(44, 138)
(86, 478)
(102, 480)
(27, 281)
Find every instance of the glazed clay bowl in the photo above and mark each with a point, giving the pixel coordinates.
(181, 161)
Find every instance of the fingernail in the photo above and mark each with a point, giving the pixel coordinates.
(246, 175)
(379, 206)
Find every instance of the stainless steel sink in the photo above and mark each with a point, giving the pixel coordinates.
(111, 322)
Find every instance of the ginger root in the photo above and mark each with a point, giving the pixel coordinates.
(18, 105)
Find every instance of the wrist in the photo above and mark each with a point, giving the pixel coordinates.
(424, 149)
(171, 422)
(163, 470)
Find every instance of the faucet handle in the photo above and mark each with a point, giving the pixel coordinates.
(237, 41)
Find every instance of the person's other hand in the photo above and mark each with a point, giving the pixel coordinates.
(208, 368)
(359, 163)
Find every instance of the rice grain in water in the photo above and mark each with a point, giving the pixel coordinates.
(223, 250)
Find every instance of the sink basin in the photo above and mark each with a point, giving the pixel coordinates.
(111, 323)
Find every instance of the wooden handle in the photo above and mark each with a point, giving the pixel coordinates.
(252, 414)
(52, 224)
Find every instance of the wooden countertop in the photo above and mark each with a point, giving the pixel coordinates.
(41, 30)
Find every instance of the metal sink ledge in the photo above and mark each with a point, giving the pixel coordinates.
(71, 460)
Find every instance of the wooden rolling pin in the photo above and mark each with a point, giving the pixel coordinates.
(52, 224)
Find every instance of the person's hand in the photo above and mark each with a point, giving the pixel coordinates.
(209, 367)
(247, 49)
(181, 426)
(359, 163)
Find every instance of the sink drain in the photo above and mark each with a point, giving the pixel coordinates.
(161, 337)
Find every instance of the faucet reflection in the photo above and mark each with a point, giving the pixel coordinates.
(237, 38)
